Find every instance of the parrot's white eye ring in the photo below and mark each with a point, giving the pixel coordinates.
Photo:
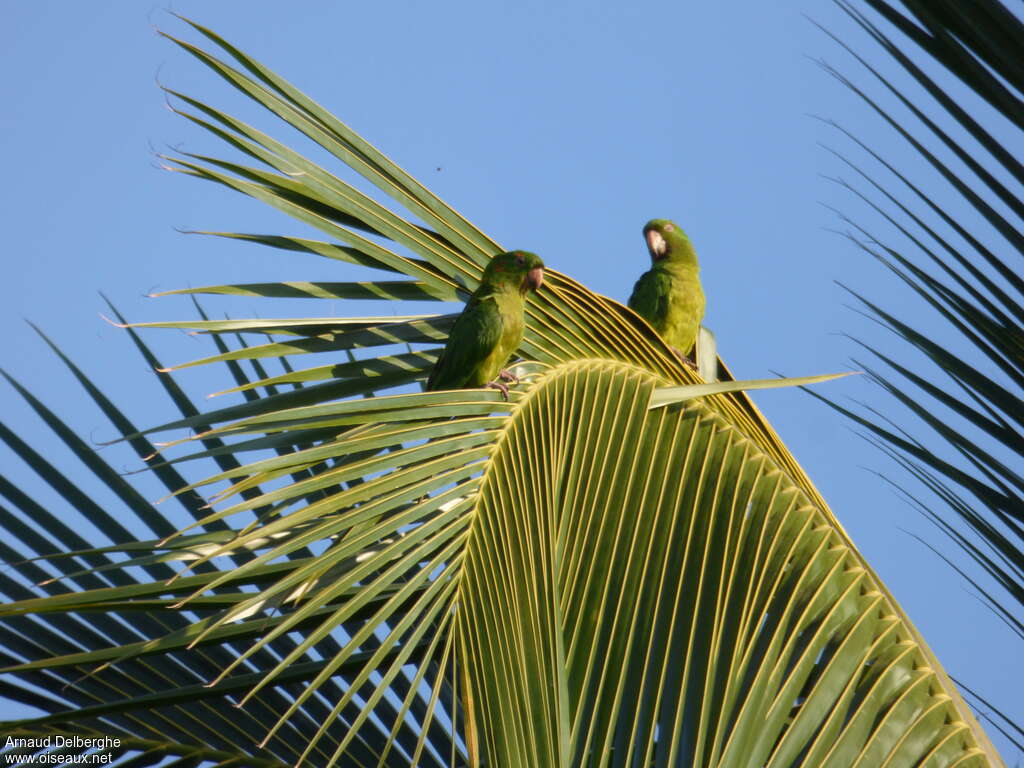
(669, 228)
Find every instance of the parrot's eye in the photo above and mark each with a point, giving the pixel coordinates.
(520, 260)
(669, 228)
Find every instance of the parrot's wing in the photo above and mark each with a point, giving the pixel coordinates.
(473, 337)
(650, 296)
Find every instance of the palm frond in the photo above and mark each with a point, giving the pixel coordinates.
(620, 565)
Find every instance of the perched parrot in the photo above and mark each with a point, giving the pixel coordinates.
(669, 295)
(490, 327)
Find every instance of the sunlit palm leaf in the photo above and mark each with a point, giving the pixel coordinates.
(743, 630)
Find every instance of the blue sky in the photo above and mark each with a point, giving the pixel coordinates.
(560, 127)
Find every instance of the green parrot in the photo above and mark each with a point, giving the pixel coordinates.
(669, 295)
(490, 327)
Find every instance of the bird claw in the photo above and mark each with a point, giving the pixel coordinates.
(508, 376)
(501, 386)
(686, 360)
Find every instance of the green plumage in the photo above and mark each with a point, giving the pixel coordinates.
(669, 295)
(490, 327)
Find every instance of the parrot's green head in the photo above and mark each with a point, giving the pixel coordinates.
(665, 240)
(520, 270)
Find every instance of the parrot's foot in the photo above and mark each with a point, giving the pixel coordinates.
(501, 386)
(686, 360)
(509, 377)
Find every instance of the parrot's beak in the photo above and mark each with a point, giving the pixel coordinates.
(656, 244)
(535, 278)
